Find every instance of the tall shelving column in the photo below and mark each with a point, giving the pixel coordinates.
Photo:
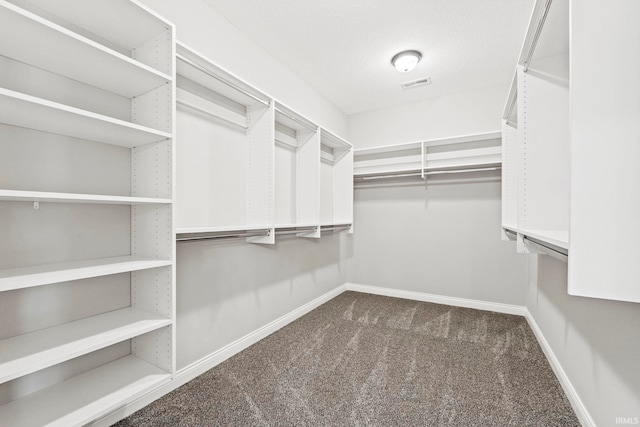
(86, 204)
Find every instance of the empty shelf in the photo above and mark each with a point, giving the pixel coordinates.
(18, 278)
(40, 196)
(18, 109)
(48, 46)
(86, 397)
(24, 354)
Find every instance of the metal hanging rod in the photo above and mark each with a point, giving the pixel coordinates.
(428, 172)
(511, 233)
(220, 79)
(296, 230)
(209, 113)
(297, 120)
(555, 252)
(536, 36)
(222, 235)
(336, 227)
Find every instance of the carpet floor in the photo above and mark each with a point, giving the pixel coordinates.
(366, 360)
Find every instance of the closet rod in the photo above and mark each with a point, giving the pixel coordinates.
(223, 235)
(209, 113)
(429, 172)
(295, 231)
(536, 37)
(335, 227)
(547, 249)
(513, 234)
(297, 120)
(220, 79)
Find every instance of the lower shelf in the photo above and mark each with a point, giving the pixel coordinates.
(86, 397)
(24, 354)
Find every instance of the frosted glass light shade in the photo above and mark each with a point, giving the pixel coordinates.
(406, 61)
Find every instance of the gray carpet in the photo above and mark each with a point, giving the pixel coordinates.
(365, 360)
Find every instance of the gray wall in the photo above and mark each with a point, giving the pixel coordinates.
(226, 290)
(442, 238)
(596, 341)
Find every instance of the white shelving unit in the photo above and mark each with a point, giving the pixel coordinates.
(336, 180)
(419, 159)
(86, 197)
(556, 195)
(225, 127)
(283, 166)
(297, 171)
(536, 182)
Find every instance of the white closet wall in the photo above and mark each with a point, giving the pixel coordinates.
(437, 237)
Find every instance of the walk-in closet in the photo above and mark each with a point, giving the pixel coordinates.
(276, 213)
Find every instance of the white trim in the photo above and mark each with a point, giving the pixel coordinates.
(195, 369)
(576, 403)
(439, 299)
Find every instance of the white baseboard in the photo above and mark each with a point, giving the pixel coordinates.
(203, 365)
(439, 299)
(576, 403)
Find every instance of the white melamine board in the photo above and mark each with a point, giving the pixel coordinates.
(308, 180)
(214, 108)
(605, 150)
(86, 397)
(40, 196)
(56, 49)
(211, 173)
(24, 354)
(45, 162)
(327, 183)
(25, 78)
(17, 278)
(543, 135)
(204, 72)
(474, 157)
(343, 190)
(260, 170)
(285, 184)
(152, 170)
(122, 22)
(510, 156)
(154, 109)
(22, 110)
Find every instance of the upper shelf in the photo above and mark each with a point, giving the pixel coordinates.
(332, 147)
(467, 152)
(41, 196)
(547, 33)
(194, 67)
(51, 47)
(124, 23)
(18, 109)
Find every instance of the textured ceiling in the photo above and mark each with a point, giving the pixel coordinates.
(343, 48)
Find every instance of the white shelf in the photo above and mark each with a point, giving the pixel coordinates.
(42, 196)
(27, 111)
(24, 354)
(18, 278)
(51, 47)
(123, 22)
(86, 397)
(484, 136)
(559, 238)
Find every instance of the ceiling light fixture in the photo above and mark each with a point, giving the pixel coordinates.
(406, 61)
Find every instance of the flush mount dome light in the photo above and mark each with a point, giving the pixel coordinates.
(406, 61)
